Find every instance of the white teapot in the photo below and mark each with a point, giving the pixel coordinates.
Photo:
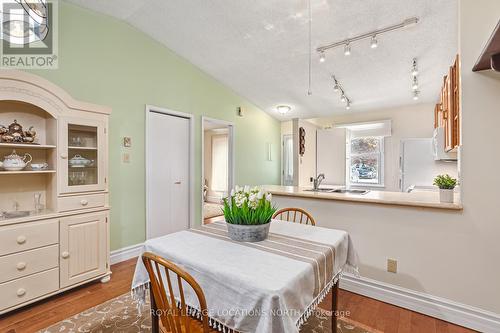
(14, 162)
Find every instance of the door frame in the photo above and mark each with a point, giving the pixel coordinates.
(230, 150)
(156, 109)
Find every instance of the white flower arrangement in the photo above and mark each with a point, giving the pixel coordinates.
(248, 206)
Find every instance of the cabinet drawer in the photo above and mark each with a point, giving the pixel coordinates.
(24, 289)
(27, 236)
(81, 202)
(24, 263)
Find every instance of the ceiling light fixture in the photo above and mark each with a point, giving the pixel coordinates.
(283, 109)
(347, 49)
(337, 87)
(414, 85)
(322, 57)
(371, 34)
(414, 81)
(414, 69)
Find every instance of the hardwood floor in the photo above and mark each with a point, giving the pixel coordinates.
(363, 310)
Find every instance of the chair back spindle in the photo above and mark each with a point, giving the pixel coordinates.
(297, 215)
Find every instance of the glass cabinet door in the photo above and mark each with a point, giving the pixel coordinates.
(83, 156)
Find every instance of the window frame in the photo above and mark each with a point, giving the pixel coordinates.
(381, 161)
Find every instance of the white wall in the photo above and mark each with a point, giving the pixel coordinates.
(416, 121)
(454, 255)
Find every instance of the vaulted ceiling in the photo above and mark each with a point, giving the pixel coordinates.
(260, 48)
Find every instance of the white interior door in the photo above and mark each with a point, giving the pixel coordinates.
(168, 153)
(331, 155)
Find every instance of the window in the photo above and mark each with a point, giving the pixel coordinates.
(219, 163)
(366, 161)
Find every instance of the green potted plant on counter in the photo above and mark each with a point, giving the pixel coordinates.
(446, 186)
(248, 212)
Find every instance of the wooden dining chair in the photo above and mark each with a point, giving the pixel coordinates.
(164, 309)
(297, 215)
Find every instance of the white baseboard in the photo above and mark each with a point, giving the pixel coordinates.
(125, 253)
(453, 312)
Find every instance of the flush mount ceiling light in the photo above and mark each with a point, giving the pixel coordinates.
(283, 109)
(337, 87)
(372, 35)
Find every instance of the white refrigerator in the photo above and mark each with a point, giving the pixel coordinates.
(417, 166)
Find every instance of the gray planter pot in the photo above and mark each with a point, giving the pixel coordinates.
(248, 233)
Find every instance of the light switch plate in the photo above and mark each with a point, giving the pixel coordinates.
(392, 265)
(126, 158)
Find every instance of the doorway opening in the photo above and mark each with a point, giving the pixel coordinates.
(217, 166)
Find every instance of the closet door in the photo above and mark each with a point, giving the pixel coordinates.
(168, 154)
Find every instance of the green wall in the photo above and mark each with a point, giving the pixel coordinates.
(105, 61)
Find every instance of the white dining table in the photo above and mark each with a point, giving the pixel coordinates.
(269, 286)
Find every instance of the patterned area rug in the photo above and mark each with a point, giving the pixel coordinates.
(120, 315)
(211, 210)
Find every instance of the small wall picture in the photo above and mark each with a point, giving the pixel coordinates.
(127, 141)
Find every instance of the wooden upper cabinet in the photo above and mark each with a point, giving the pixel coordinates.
(447, 110)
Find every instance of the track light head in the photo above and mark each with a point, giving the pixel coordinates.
(416, 94)
(348, 105)
(336, 87)
(347, 49)
(414, 85)
(343, 99)
(374, 42)
(414, 70)
(322, 56)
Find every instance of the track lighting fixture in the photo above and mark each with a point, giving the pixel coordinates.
(337, 87)
(322, 57)
(372, 35)
(414, 69)
(416, 94)
(414, 85)
(347, 49)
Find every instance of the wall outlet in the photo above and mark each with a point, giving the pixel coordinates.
(392, 265)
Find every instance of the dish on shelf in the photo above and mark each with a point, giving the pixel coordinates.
(39, 166)
(78, 161)
(14, 162)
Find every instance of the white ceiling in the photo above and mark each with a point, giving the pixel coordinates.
(260, 48)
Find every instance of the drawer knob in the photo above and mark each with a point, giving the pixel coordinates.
(21, 292)
(64, 156)
(21, 239)
(65, 254)
(20, 266)
(84, 202)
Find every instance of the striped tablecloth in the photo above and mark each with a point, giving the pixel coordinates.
(269, 286)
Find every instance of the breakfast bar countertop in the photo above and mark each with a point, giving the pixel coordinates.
(428, 199)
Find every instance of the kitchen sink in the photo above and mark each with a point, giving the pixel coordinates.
(350, 191)
(16, 214)
(323, 189)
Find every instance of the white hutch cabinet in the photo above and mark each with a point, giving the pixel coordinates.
(54, 220)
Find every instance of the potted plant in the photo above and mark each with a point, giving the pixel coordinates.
(248, 212)
(446, 185)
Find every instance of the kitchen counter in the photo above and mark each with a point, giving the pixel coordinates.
(414, 199)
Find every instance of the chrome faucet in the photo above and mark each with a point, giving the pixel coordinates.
(317, 181)
(15, 205)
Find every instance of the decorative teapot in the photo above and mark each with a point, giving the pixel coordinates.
(14, 162)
